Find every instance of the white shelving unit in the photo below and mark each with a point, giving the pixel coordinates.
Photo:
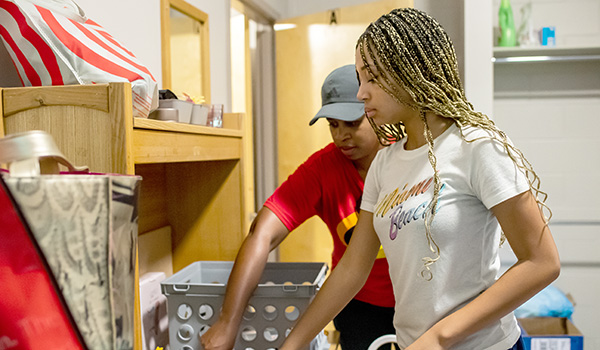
(504, 55)
(546, 72)
(547, 99)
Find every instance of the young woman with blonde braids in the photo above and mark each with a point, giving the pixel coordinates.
(440, 201)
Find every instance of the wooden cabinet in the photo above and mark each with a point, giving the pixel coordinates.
(193, 176)
(193, 182)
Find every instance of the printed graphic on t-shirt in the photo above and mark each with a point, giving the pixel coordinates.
(345, 228)
(393, 205)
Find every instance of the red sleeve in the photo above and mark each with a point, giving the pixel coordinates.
(300, 196)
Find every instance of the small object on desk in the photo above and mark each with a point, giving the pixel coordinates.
(166, 94)
(548, 36)
(183, 107)
(215, 116)
(166, 114)
(526, 36)
(508, 35)
(200, 114)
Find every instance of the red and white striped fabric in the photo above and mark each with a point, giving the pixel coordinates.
(52, 42)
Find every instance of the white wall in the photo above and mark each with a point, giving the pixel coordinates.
(552, 112)
(478, 70)
(140, 33)
(294, 8)
(136, 24)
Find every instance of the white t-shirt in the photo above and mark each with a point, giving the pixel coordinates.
(475, 177)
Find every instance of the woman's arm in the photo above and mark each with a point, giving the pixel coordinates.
(537, 266)
(266, 233)
(342, 284)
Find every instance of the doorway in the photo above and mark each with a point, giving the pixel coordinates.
(306, 52)
(253, 93)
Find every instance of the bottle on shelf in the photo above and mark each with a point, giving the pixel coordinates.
(508, 35)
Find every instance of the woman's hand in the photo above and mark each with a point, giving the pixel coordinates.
(428, 341)
(221, 336)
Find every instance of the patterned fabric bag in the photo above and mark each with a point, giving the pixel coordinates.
(86, 227)
(52, 42)
(34, 314)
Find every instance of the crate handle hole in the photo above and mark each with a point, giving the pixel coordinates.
(270, 312)
(270, 334)
(249, 313)
(185, 332)
(205, 312)
(203, 329)
(249, 334)
(292, 313)
(184, 311)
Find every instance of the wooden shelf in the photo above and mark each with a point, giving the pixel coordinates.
(231, 127)
(156, 141)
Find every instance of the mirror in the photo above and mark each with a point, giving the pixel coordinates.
(185, 50)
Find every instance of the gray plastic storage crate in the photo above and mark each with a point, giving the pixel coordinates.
(195, 295)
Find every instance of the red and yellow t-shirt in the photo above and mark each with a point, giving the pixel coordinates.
(329, 186)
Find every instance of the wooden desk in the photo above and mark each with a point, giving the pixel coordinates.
(193, 176)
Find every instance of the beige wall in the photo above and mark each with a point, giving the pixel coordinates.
(305, 56)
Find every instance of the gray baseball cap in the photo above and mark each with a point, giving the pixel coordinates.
(338, 96)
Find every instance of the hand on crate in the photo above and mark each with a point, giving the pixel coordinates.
(220, 336)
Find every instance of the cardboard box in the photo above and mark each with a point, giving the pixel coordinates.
(550, 333)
